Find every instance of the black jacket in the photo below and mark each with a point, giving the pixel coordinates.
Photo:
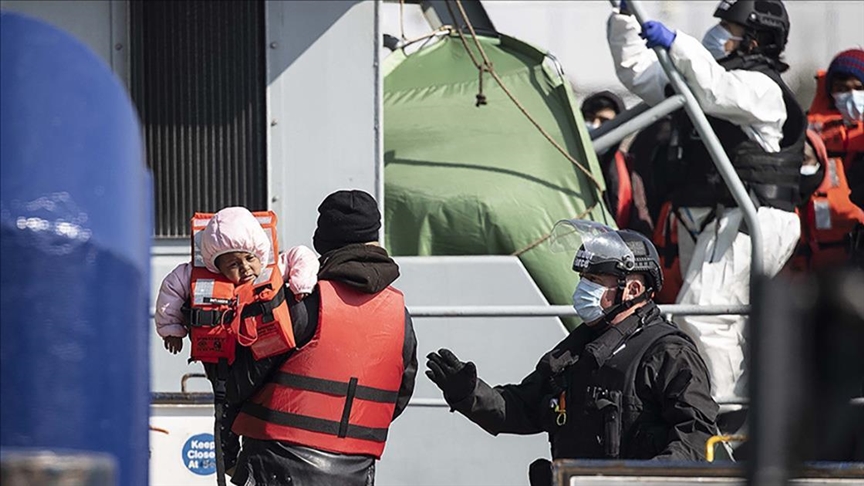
(262, 463)
(637, 390)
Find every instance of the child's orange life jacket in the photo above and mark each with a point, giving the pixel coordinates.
(254, 314)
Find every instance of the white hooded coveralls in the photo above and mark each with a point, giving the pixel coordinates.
(716, 267)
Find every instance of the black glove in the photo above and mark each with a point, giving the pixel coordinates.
(455, 378)
(540, 473)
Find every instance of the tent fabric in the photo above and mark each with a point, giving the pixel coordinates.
(467, 180)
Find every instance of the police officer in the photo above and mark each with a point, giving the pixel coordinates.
(762, 129)
(628, 384)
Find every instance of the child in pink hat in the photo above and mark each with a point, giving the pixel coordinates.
(235, 245)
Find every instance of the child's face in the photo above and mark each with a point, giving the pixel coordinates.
(239, 267)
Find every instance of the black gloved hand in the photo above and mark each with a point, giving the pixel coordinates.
(455, 378)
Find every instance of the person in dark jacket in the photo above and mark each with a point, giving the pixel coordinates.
(625, 191)
(319, 415)
(626, 385)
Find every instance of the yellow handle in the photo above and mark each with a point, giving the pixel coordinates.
(715, 439)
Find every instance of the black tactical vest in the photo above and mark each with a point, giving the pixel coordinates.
(773, 178)
(604, 416)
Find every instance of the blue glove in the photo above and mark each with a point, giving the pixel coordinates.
(657, 35)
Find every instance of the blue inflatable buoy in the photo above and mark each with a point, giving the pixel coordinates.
(75, 231)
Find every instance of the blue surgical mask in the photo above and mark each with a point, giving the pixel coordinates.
(850, 104)
(715, 41)
(586, 300)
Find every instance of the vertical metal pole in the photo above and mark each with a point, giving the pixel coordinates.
(378, 125)
(718, 155)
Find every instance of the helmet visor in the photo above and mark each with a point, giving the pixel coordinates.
(590, 241)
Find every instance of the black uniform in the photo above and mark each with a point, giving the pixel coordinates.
(636, 390)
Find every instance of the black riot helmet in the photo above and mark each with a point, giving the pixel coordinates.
(640, 257)
(764, 20)
(604, 250)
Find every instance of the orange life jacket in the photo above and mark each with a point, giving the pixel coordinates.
(829, 216)
(625, 190)
(255, 314)
(338, 392)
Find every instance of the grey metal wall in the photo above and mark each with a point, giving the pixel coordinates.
(197, 78)
(322, 75)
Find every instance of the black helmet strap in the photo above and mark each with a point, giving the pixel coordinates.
(621, 306)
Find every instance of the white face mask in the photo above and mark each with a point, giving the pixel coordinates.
(586, 300)
(715, 41)
(850, 104)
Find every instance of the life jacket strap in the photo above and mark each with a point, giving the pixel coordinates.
(336, 388)
(314, 424)
(264, 308)
(206, 318)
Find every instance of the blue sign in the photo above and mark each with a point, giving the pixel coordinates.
(199, 454)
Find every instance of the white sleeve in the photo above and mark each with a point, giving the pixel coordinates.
(636, 66)
(748, 99)
(172, 295)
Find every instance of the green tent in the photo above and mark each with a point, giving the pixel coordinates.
(467, 180)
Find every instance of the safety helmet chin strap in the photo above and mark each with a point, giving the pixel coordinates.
(622, 305)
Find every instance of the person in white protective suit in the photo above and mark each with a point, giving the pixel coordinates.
(735, 76)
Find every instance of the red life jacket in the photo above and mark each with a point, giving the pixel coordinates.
(624, 189)
(665, 239)
(829, 216)
(338, 392)
(255, 314)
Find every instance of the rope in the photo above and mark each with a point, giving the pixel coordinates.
(487, 66)
(481, 100)
(439, 31)
(402, 19)
(545, 237)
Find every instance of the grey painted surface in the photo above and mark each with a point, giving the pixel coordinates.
(430, 445)
(101, 25)
(321, 70)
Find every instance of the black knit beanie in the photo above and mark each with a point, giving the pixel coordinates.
(346, 217)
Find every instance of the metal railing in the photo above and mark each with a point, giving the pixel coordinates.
(561, 310)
